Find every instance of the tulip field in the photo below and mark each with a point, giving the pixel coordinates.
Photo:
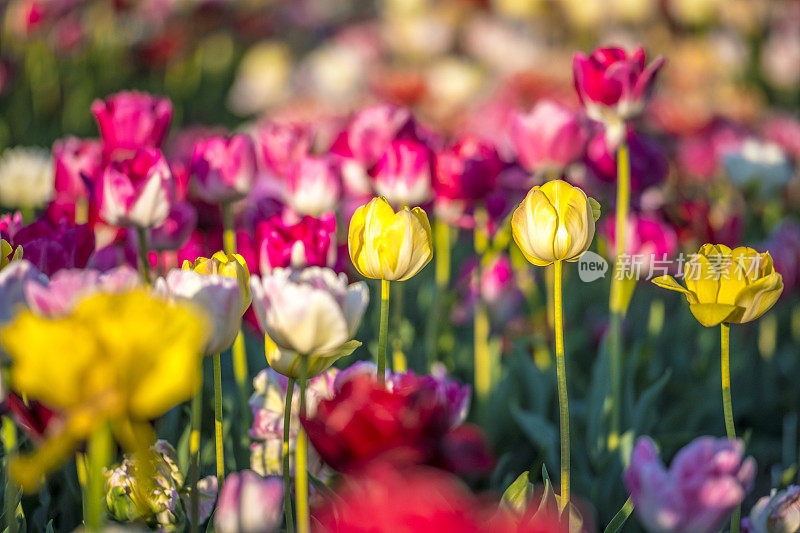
(513, 266)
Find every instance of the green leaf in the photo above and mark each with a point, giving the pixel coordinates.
(620, 518)
(518, 494)
(538, 430)
(644, 406)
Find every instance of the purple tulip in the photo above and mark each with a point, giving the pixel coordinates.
(249, 503)
(705, 482)
(549, 138)
(223, 169)
(174, 232)
(648, 164)
(52, 248)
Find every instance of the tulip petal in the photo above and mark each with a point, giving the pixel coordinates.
(668, 282)
(712, 314)
(757, 298)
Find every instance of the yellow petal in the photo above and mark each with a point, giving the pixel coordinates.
(356, 241)
(712, 314)
(668, 282)
(758, 297)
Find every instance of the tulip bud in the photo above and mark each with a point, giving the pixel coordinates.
(403, 174)
(555, 222)
(388, 245)
(309, 242)
(229, 265)
(136, 192)
(613, 86)
(313, 186)
(132, 120)
(249, 503)
(548, 138)
(727, 286)
(310, 312)
(223, 169)
(217, 295)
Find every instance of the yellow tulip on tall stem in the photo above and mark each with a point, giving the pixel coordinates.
(556, 223)
(618, 302)
(238, 351)
(388, 246)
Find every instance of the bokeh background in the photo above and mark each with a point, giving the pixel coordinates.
(465, 66)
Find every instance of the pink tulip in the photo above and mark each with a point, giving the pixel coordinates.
(223, 169)
(309, 242)
(650, 242)
(372, 130)
(137, 191)
(313, 186)
(497, 287)
(249, 503)
(10, 223)
(131, 120)
(403, 173)
(77, 161)
(705, 482)
(66, 287)
(466, 171)
(174, 232)
(283, 145)
(610, 81)
(549, 138)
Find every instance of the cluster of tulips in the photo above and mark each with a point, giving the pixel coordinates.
(142, 264)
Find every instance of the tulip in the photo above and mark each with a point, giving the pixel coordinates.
(309, 312)
(13, 281)
(497, 287)
(387, 245)
(727, 286)
(777, 513)
(309, 242)
(133, 357)
(613, 85)
(217, 295)
(549, 138)
(223, 169)
(130, 121)
(52, 248)
(249, 503)
(230, 265)
(282, 146)
(112, 256)
(467, 171)
(648, 165)
(762, 166)
(403, 173)
(371, 132)
(705, 482)
(10, 223)
(308, 317)
(77, 162)
(313, 186)
(555, 222)
(26, 178)
(136, 192)
(67, 287)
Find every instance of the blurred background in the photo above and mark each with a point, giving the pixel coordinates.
(465, 67)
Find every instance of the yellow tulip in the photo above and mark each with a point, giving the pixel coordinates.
(6, 253)
(727, 286)
(555, 222)
(230, 265)
(387, 245)
(118, 359)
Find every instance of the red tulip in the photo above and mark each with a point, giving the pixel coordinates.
(466, 171)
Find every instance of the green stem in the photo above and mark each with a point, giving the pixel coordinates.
(287, 476)
(727, 405)
(99, 455)
(218, 420)
(482, 358)
(144, 262)
(441, 235)
(617, 305)
(561, 373)
(9, 435)
(194, 453)
(228, 230)
(301, 457)
(383, 333)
